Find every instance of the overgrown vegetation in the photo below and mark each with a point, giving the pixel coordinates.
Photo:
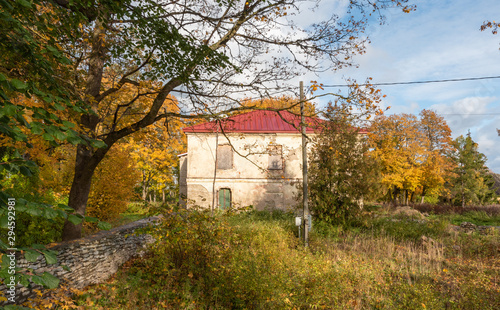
(341, 172)
(254, 260)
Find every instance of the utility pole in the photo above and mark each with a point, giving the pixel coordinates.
(305, 215)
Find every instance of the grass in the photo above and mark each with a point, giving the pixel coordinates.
(254, 260)
(135, 211)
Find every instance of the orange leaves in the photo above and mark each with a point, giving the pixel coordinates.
(493, 25)
(362, 99)
(282, 103)
(315, 85)
(405, 8)
(155, 150)
(112, 185)
(411, 150)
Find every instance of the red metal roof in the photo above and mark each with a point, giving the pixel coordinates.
(262, 121)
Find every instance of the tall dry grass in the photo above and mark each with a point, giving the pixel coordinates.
(254, 260)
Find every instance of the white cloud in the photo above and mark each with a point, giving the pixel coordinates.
(467, 113)
(480, 115)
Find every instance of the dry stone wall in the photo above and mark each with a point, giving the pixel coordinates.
(90, 260)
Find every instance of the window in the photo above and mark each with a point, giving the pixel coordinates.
(275, 157)
(224, 157)
(224, 198)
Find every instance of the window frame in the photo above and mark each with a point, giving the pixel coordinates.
(223, 204)
(223, 165)
(275, 152)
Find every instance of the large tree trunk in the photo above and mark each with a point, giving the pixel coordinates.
(87, 158)
(86, 163)
(395, 196)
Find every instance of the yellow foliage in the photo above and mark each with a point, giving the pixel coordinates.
(284, 102)
(412, 151)
(154, 151)
(112, 185)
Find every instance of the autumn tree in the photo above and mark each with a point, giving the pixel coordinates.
(212, 52)
(471, 184)
(397, 144)
(437, 144)
(33, 80)
(155, 152)
(113, 185)
(413, 153)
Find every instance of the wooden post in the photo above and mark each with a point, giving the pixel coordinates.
(305, 216)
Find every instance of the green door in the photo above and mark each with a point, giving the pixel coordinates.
(224, 198)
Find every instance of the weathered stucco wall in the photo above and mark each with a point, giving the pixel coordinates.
(183, 177)
(249, 179)
(91, 260)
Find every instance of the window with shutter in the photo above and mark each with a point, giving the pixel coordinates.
(224, 157)
(275, 157)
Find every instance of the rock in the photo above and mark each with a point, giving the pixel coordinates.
(487, 230)
(468, 227)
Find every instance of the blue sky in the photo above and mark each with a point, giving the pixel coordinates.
(440, 40)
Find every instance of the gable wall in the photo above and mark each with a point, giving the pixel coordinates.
(249, 180)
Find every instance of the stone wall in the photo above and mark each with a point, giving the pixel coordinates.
(90, 260)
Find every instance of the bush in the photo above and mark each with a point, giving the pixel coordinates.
(341, 173)
(112, 187)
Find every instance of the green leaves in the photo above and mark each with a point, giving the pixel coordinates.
(97, 143)
(78, 219)
(91, 219)
(4, 221)
(47, 280)
(471, 183)
(18, 85)
(31, 255)
(75, 218)
(24, 3)
(339, 175)
(104, 226)
(50, 257)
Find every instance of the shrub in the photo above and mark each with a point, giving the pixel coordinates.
(112, 187)
(341, 173)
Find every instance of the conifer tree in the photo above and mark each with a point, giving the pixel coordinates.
(471, 183)
(341, 173)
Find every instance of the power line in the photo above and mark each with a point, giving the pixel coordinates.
(455, 114)
(473, 114)
(420, 82)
